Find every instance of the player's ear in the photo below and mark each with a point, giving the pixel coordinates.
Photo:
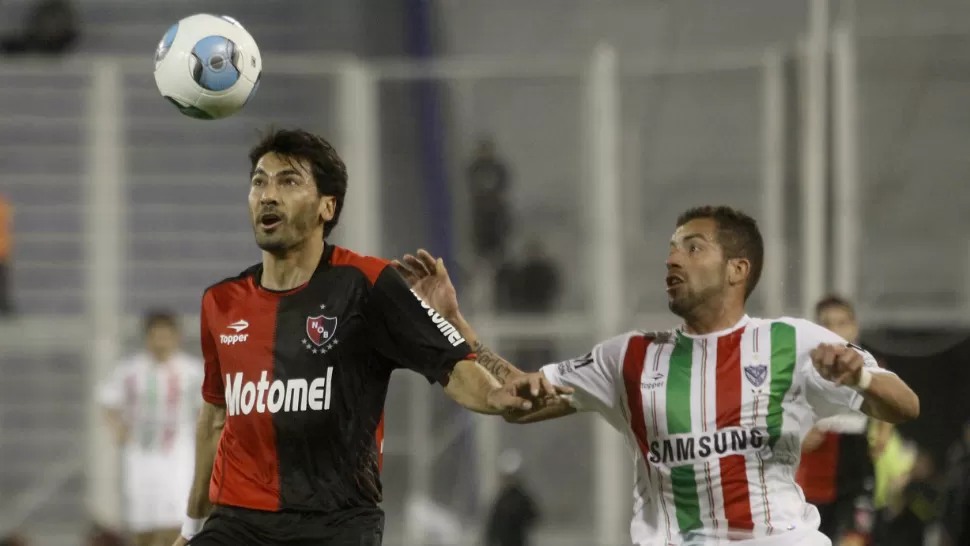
(738, 270)
(327, 208)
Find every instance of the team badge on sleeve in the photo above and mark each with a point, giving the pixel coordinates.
(320, 329)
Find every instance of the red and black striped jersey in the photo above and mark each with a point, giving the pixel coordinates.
(303, 375)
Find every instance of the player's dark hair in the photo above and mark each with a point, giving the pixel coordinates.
(329, 171)
(160, 317)
(832, 301)
(738, 235)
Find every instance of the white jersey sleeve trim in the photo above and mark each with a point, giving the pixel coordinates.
(595, 377)
(825, 397)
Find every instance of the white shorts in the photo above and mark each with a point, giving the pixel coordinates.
(156, 489)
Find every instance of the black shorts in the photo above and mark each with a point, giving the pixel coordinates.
(232, 526)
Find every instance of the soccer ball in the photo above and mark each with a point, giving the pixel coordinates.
(208, 66)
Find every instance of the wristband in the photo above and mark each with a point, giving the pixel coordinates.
(191, 527)
(865, 379)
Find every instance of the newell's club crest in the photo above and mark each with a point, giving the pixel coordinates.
(320, 329)
(756, 374)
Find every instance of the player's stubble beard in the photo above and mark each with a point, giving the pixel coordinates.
(292, 233)
(691, 302)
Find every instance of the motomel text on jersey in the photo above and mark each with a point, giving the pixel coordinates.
(443, 325)
(242, 397)
(683, 449)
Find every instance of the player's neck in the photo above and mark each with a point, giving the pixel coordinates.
(162, 357)
(707, 321)
(293, 268)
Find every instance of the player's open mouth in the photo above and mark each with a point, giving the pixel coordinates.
(270, 220)
(673, 281)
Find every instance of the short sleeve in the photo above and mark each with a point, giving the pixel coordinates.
(111, 391)
(825, 397)
(213, 387)
(595, 377)
(409, 333)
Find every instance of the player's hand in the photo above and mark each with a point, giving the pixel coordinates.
(180, 541)
(535, 386)
(524, 393)
(430, 280)
(839, 364)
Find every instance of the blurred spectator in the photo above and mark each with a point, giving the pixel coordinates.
(916, 507)
(955, 510)
(893, 459)
(150, 401)
(836, 471)
(51, 27)
(488, 180)
(530, 285)
(6, 307)
(515, 513)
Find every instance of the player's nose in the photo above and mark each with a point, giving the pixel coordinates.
(674, 259)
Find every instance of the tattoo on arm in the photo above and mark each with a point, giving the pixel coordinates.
(496, 365)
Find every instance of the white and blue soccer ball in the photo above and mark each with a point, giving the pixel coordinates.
(208, 66)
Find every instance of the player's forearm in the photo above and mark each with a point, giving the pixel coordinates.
(470, 385)
(488, 359)
(889, 399)
(208, 429)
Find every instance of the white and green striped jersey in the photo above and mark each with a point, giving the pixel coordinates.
(158, 401)
(715, 423)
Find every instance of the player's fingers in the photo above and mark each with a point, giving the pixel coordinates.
(405, 272)
(844, 378)
(547, 388)
(511, 401)
(428, 260)
(442, 271)
(561, 389)
(823, 359)
(535, 386)
(848, 358)
(416, 265)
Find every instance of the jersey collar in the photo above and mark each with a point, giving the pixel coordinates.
(745, 320)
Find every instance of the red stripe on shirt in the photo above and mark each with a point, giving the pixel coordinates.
(734, 478)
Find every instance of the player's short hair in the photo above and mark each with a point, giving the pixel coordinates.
(160, 317)
(329, 171)
(738, 235)
(832, 301)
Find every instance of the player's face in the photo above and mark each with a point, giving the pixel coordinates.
(284, 204)
(840, 320)
(696, 268)
(162, 340)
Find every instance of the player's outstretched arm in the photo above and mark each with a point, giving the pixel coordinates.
(884, 395)
(475, 389)
(429, 279)
(208, 429)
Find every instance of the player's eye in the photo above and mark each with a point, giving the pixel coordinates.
(291, 182)
(694, 248)
(258, 181)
